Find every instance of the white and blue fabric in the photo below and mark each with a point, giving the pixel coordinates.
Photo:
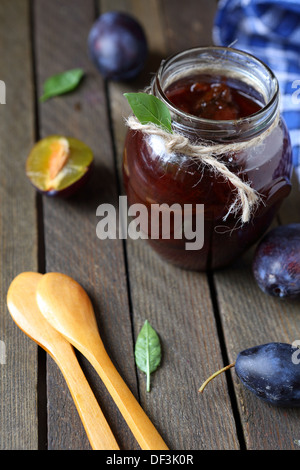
(269, 30)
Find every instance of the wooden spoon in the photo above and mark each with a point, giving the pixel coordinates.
(67, 307)
(22, 305)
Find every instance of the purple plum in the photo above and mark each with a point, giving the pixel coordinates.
(272, 372)
(118, 46)
(276, 262)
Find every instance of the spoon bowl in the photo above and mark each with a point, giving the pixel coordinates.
(67, 307)
(22, 305)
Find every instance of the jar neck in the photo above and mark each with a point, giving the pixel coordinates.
(248, 71)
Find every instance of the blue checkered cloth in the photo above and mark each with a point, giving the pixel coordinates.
(269, 30)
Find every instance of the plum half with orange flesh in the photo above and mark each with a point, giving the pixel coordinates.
(58, 165)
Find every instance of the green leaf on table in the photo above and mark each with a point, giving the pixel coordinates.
(62, 83)
(147, 351)
(149, 109)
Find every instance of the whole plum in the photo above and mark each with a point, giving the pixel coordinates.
(276, 262)
(118, 46)
(271, 371)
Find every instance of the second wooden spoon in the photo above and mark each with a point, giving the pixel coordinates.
(67, 307)
(22, 305)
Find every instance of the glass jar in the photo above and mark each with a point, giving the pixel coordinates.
(153, 176)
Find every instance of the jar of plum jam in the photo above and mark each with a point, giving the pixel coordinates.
(218, 96)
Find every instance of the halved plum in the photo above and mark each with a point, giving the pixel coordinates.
(58, 165)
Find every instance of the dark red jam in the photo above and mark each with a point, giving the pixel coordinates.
(209, 98)
(152, 176)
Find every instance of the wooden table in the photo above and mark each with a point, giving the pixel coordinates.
(203, 320)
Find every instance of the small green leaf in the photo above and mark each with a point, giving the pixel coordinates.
(148, 108)
(62, 83)
(147, 351)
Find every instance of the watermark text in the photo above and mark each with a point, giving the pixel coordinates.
(155, 221)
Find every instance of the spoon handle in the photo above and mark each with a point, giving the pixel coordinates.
(98, 431)
(142, 428)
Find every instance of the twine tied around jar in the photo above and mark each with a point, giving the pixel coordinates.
(247, 198)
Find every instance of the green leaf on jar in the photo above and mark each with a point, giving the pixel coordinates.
(149, 109)
(147, 351)
(62, 83)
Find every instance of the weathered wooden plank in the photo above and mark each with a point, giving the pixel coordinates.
(18, 229)
(193, 22)
(289, 212)
(70, 225)
(177, 303)
(250, 317)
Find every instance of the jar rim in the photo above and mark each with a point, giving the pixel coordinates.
(265, 109)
